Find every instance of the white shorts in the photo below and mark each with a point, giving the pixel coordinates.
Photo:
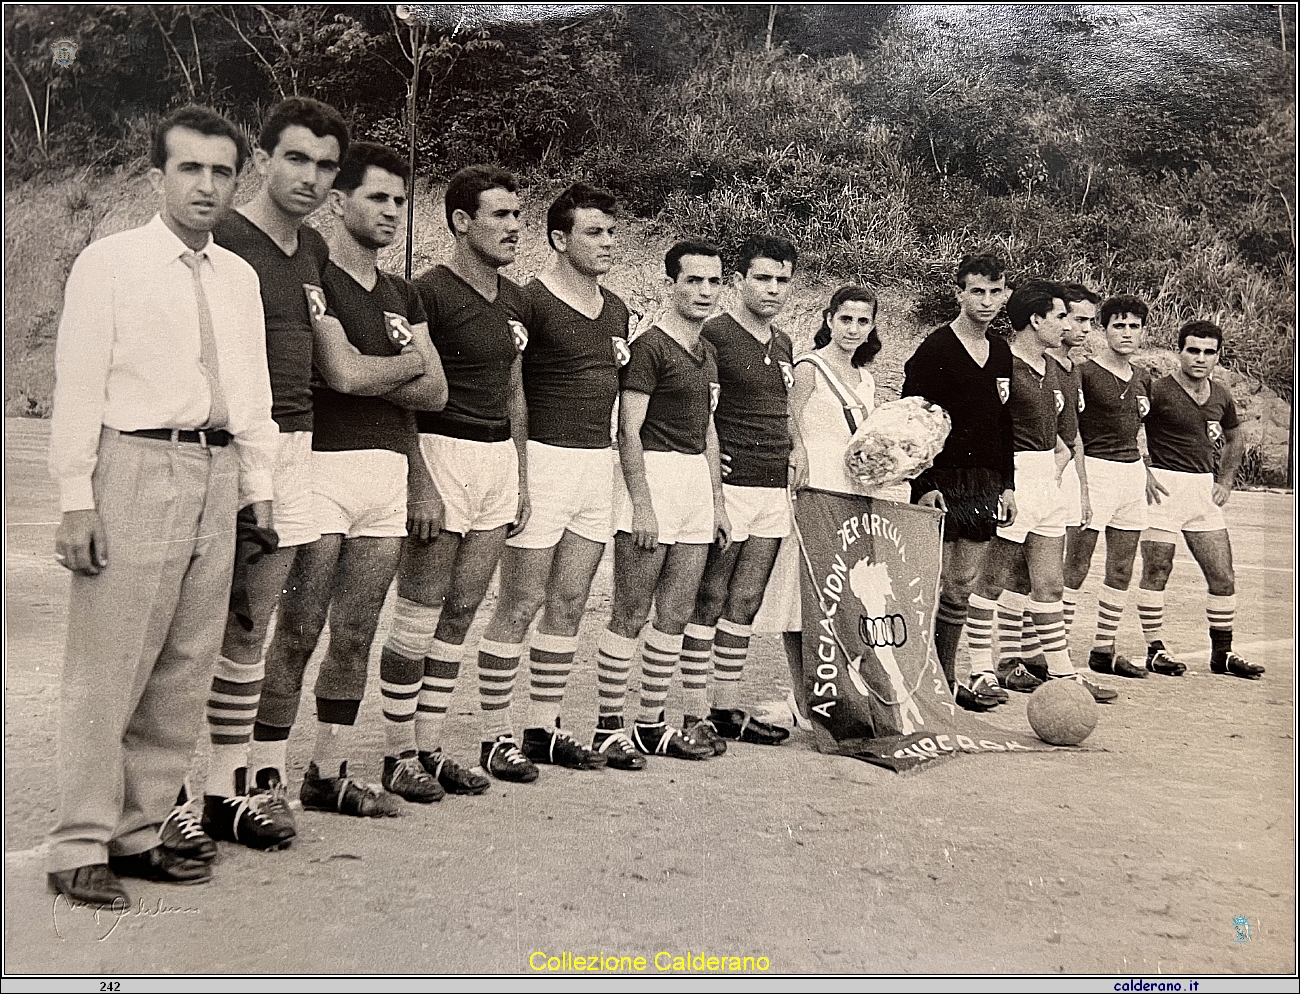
(360, 493)
(1188, 507)
(763, 512)
(1070, 496)
(477, 481)
(294, 511)
(1040, 504)
(681, 493)
(1117, 492)
(569, 489)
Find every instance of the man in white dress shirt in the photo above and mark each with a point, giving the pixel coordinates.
(161, 432)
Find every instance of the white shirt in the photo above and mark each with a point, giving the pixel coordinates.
(128, 355)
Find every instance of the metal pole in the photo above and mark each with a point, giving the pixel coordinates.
(410, 127)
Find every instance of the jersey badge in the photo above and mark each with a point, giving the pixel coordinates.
(1214, 430)
(315, 300)
(1081, 403)
(399, 329)
(1004, 388)
(715, 392)
(622, 354)
(1144, 405)
(787, 374)
(520, 334)
(1060, 400)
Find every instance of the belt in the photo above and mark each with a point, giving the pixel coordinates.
(197, 436)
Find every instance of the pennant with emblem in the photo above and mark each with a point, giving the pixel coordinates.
(315, 300)
(1004, 388)
(399, 329)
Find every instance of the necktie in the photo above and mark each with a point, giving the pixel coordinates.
(218, 413)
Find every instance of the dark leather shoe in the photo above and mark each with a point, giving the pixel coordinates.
(1020, 680)
(93, 884)
(1233, 664)
(1123, 667)
(968, 699)
(162, 865)
(734, 723)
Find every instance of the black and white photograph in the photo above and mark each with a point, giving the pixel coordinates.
(522, 492)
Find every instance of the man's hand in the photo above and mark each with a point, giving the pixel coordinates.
(1085, 508)
(1062, 460)
(935, 500)
(798, 473)
(721, 528)
(522, 513)
(263, 514)
(724, 464)
(1220, 494)
(645, 527)
(424, 513)
(80, 543)
(1154, 489)
(1007, 509)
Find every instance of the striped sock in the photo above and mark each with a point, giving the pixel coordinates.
(659, 655)
(1070, 601)
(1110, 608)
(269, 750)
(413, 626)
(1011, 606)
(550, 661)
(1049, 620)
(1151, 612)
(697, 645)
(948, 623)
(1220, 612)
(441, 667)
(1029, 640)
(399, 685)
(979, 634)
(730, 650)
(613, 661)
(498, 665)
(232, 709)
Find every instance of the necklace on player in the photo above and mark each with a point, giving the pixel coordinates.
(767, 355)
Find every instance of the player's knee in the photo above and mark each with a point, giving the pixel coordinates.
(1048, 591)
(1221, 582)
(743, 606)
(629, 615)
(708, 607)
(518, 612)
(565, 611)
(457, 615)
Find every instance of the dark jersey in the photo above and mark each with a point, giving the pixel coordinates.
(975, 397)
(1037, 404)
(683, 388)
(753, 414)
(477, 345)
(378, 322)
(1072, 389)
(570, 367)
(1181, 434)
(1112, 412)
(284, 302)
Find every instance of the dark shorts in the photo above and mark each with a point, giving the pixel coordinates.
(972, 496)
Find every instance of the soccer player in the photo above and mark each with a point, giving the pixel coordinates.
(377, 364)
(967, 372)
(1037, 537)
(577, 342)
(1190, 414)
(473, 477)
(298, 156)
(1114, 404)
(756, 372)
(671, 507)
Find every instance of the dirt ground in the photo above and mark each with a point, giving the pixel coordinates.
(1132, 856)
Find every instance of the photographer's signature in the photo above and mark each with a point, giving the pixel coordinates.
(109, 916)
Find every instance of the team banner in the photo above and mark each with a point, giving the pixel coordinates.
(870, 586)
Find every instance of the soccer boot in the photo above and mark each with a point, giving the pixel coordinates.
(501, 758)
(617, 748)
(1020, 680)
(968, 699)
(1234, 665)
(703, 730)
(406, 777)
(986, 685)
(163, 865)
(1102, 695)
(1100, 661)
(454, 778)
(182, 831)
(1037, 667)
(259, 819)
(1006, 667)
(733, 723)
(655, 738)
(347, 796)
(559, 748)
(1159, 661)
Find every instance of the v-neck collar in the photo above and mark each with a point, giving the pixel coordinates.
(962, 345)
(604, 302)
(470, 287)
(697, 359)
(271, 241)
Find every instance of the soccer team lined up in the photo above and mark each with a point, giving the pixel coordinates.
(250, 421)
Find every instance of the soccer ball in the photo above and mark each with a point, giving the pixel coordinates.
(1062, 712)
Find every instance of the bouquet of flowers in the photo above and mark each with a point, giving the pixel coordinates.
(897, 442)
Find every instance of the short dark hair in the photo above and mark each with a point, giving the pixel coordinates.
(868, 350)
(468, 184)
(361, 157)
(1199, 329)
(205, 121)
(1120, 305)
(580, 196)
(988, 266)
(779, 250)
(673, 257)
(320, 119)
(1034, 298)
(1077, 293)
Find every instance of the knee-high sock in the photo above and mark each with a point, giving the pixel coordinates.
(660, 653)
(1151, 612)
(948, 623)
(1050, 621)
(613, 662)
(550, 661)
(697, 645)
(400, 682)
(1110, 608)
(232, 709)
(413, 626)
(1029, 640)
(730, 650)
(979, 633)
(1220, 612)
(1070, 601)
(498, 665)
(441, 667)
(1011, 606)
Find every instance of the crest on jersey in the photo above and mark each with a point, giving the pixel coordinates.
(715, 391)
(1214, 430)
(1060, 400)
(1004, 388)
(622, 354)
(315, 300)
(1144, 405)
(520, 334)
(399, 329)
(1081, 404)
(787, 374)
